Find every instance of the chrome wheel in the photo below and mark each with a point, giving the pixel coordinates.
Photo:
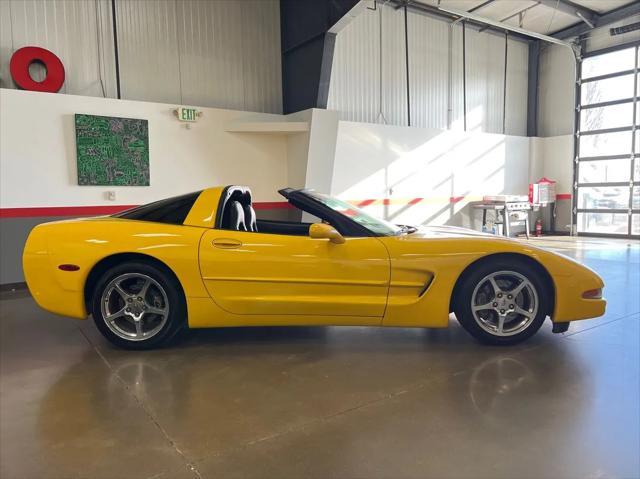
(134, 306)
(504, 303)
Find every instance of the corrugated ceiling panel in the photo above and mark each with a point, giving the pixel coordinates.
(217, 53)
(428, 47)
(394, 73)
(354, 89)
(261, 55)
(68, 28)
(556, 91)
(517, 88)
(210, 39)
(230, 54)
(485, 79)
(457, 100)
(6, 47)
(148, 50)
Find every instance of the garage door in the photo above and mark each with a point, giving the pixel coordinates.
(608, 144)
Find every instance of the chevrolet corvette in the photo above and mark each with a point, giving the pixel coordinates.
(204, 260)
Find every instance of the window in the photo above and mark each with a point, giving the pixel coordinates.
(607, 188)
(378, 226)
(171, 210)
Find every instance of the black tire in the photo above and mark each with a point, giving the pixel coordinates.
(476, 278)
(164, 327)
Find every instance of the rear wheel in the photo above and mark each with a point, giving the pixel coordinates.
(502, 302)
(138, 306)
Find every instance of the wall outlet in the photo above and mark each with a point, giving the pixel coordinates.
(111, 195)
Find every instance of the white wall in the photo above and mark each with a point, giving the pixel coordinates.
(435, 74)
(38, 155)
(444, 169)
(217, 53)
(554, 155)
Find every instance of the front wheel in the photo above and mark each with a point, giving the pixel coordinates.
(138, 306)
(501, 303)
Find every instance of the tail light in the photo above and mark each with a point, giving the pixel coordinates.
(593, 294)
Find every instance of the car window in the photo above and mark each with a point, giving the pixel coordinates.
(376, 225)
(171, 210)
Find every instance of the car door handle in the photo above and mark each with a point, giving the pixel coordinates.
(226, 243)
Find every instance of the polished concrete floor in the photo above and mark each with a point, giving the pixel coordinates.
(328, 402)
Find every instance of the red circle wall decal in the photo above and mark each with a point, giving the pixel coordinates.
(24, 57)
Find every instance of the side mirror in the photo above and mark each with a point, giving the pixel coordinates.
(324, 231)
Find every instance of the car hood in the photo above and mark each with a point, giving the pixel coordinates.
(451, 232)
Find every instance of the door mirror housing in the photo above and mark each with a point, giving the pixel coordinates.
(324, 231)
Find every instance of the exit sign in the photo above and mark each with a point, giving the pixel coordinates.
(187, 114)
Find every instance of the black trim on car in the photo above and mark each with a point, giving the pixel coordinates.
(169, 211)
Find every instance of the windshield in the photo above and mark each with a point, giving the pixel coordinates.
(376, 225)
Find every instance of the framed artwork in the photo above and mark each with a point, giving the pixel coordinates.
(112, 151)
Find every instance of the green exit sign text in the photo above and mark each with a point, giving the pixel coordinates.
(187, 114)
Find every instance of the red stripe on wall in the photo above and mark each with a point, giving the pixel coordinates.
(364, 203)
(62, 211)
(45, 211)
(48, 211)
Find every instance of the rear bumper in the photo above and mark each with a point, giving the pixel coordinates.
(44, 286)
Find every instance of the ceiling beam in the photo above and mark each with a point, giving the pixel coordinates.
(520, 13)
(482, 5)
(578, 11)
(503, 26)
(603, 20)
(429, 10)
(475, 9)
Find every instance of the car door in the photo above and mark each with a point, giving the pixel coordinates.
(276, 274)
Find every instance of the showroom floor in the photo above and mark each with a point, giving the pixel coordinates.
(328, 402)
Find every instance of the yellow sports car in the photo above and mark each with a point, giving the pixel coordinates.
(203, 260)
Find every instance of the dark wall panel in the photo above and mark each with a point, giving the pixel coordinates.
(307, 50)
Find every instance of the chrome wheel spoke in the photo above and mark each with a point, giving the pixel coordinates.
(145, 289)
(482, 307)
(118, 288)
(516, 291)
(112, 317)
(152, 310)
(523, 312)
(494, 284)
(138, 324)
(501, 318)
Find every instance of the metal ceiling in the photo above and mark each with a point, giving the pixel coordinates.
(560, 18)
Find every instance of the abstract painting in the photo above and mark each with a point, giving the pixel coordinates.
(112, 151)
